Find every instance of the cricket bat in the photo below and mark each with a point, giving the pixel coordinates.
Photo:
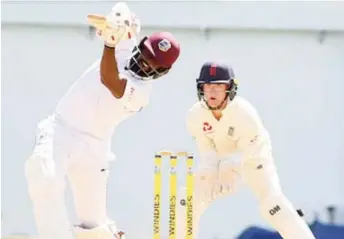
(120, 12)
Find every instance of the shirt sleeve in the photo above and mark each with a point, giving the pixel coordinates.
(254, 140)
(136, 94)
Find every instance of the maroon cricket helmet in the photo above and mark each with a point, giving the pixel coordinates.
(154, 56)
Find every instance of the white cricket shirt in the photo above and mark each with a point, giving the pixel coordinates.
(239, 131)
(91, 108)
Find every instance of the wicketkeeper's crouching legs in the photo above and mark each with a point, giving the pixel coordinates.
(274, 206)
(263, 180)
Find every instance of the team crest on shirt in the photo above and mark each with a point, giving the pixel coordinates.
(230, 131)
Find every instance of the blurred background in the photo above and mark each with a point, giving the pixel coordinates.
(287, 56)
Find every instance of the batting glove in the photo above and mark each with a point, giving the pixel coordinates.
(120, 24)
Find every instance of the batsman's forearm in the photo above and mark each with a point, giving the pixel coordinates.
(110, 74)
(108, 65)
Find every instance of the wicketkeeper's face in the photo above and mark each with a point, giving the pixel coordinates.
(214, 94)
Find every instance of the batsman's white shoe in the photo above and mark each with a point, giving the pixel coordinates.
(107, 231)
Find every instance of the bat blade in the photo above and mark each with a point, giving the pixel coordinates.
(97, 21)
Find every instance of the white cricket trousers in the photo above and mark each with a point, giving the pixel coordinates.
(261, 177)
(63, 153)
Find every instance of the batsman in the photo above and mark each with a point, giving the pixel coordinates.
(73, 144)
(233, 142)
